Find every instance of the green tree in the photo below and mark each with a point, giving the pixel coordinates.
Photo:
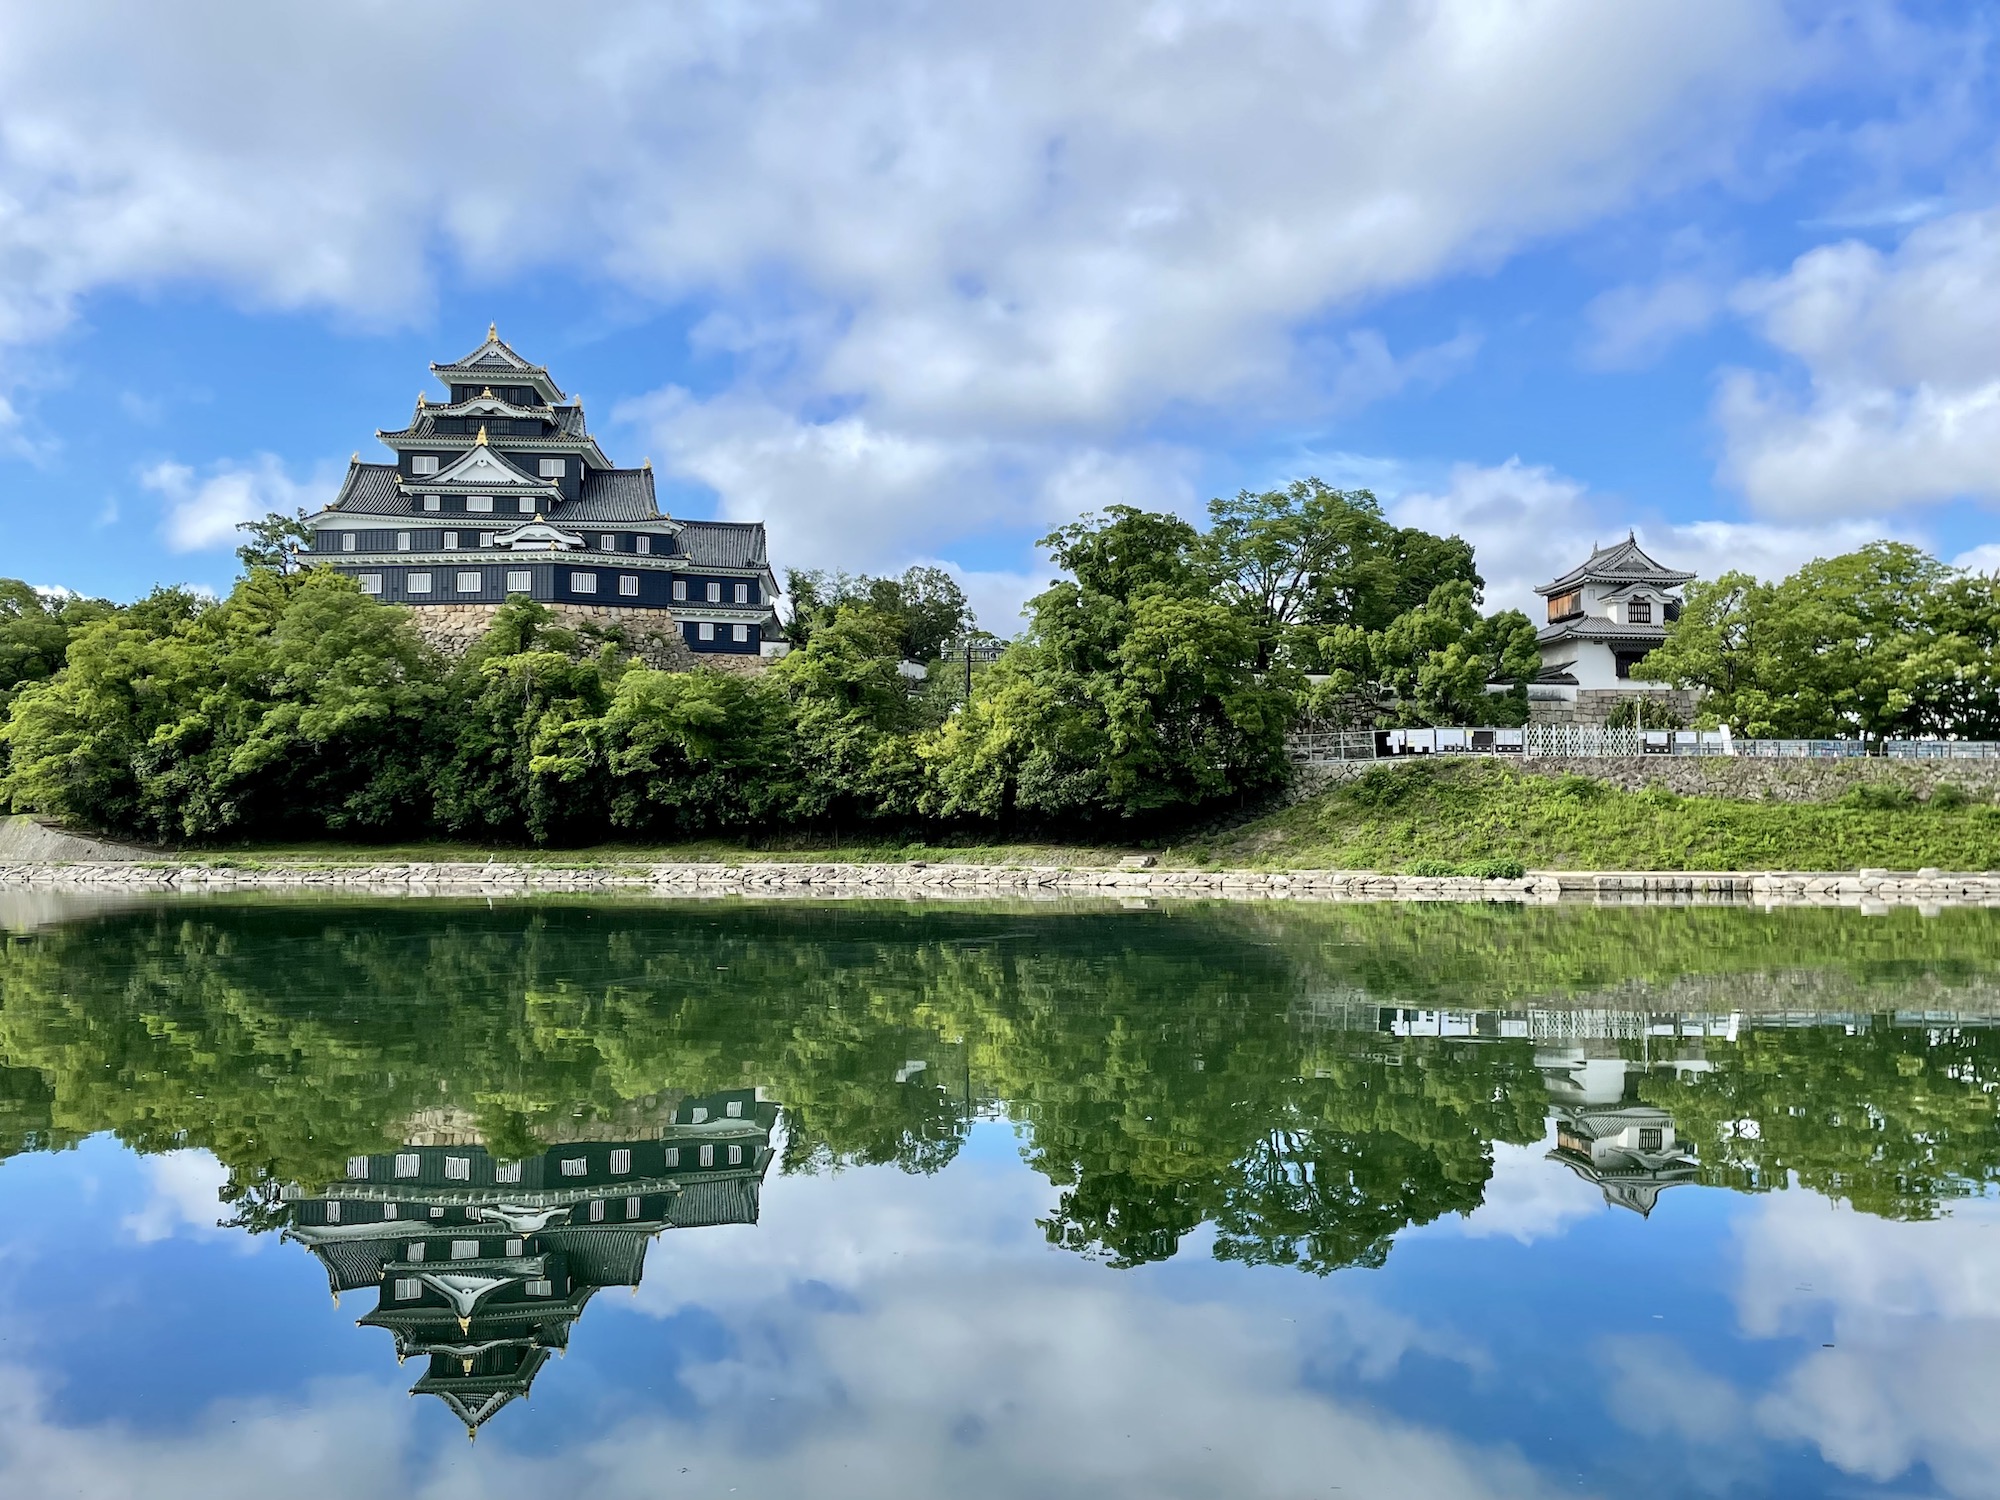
(925, 606)
(275, 542)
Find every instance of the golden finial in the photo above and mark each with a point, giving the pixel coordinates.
(493, 331)
(465, 1325)
(482, 436)
(354, 457)
(471, 1433)
(487, 391)
(645, 463)
(422, 400)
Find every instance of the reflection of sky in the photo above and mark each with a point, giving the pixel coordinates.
(883, 1334)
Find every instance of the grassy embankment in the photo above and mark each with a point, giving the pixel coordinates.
(1430, 816)
(1425, 818)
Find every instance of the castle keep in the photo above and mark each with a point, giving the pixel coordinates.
(500, 492)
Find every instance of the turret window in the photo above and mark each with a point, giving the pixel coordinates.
(420, 583)
(704, 631)
(527, 505)
(432, 502)
(680, 588)
(554, 468)
(628, 585)
(458, 1169)
(408, 1288)
(572, 1166)
(597, 1210)
(402, 541)
(371, 583)
(621, 1161)
(715, 593)
(507, 1171)
(451, 541)
(347, 541)
(742, 593)
(406, 1164)
(708, 1156)
(642, 545)
(541, 1289)
(468, 583)
(519, 583)
(607, 543)
(1565, 606)
(583, 583)
(423, 463)
(1639, 612)
(514, 1248)
(357, 1168)
(465, 1249)
(739, 633)
(333, 1211)
(673, 1156)
(479, 505)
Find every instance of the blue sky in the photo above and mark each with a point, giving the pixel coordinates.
(915, 282)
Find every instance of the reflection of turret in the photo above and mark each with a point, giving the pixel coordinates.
(481, 1265)
(1630, 1152)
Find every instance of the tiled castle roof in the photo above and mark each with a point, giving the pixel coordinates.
(1621, 562)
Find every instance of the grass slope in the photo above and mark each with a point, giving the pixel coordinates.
(1394, 818)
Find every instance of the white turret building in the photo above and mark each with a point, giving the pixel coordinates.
(1604, 616)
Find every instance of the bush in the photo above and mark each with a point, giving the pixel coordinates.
(1947, 795)
(1881, 796)
(1477, 869)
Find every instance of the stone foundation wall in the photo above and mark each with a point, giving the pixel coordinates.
(1595, 705)
(452, 628)
(1759, 780)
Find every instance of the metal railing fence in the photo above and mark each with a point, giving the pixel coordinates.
(1312, 745)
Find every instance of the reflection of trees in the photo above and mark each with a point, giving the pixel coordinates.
(1164, 1070)
(1895, 1119)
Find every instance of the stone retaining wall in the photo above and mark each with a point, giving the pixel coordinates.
(655, 637)
(1869, 889)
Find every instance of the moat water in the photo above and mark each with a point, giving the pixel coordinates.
(789, 1199)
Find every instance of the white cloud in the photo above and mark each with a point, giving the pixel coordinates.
(184, 1195)
(851, 493)
(1529, 1197)
(1630, 325)
(1529, 524)
(1984, 558)
(1900, 354)
(1914, 1313)
(203, 512)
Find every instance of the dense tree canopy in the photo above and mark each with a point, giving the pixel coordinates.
(1884, 641)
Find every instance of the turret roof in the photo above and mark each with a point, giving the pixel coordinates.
(496, 359)
(1621, 562)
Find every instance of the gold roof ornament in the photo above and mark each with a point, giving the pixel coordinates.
(487, 392)
(493, 332)
(354, 457)
(646, 463)
(482, 435)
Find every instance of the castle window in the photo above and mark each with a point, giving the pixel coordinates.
(554, 468)
(423, 463)
(735, 1156)
(513, 1248)
(408, 1288)
(1566, 606)
(708, 1156)
(479, 504)
(628, 585)
(527, 506)
(519, 583)
(583, 583)
(572, 1166)
(607, 543)
(704, 631)
(333, 1211)
(468, 583)
(715, 593)
(402, 541)
(416, 1252)
(597, 1210)
(1639, 612)
(451, 541)
(458, 1169)
(1649, 1138)
(347, 541)
(465, 1249)
(420, 583)
(541, 1289)
(357, 1168)
(406, 1165)
(680, 588)
(621, 1162)
(431, 502)
(734, 1109)
(507, 1171)
(742, 593)
(371, 583)
(642, 545)
(388, 1210)
(739, 633)
(631, 1209)
(673, 1156)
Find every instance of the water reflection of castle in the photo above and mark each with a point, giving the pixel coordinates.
(1628, 1149)
(481, 1264)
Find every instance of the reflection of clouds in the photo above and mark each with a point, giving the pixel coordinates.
(1914, 1317)
(345, 1442)
(184, 1196)
(1530, 1197)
